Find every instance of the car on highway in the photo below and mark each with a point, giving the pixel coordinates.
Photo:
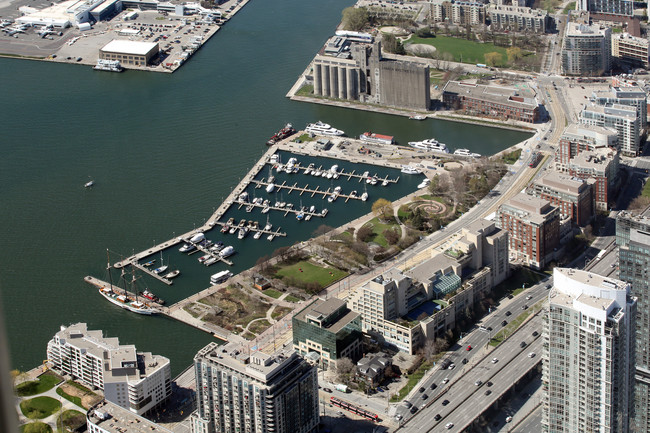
(327, 390)
(414, 409)
(465, 361)
(445, 380)
(489, 383)
(408, 404)
(494, 360)
(531, 355)
(433, 386)
(478, 383)
(451, 366)
(504, 323)
(508, 313)
(522, 344)
(535, 333)
(529, 297)
(421, 389)
(449, 425)
(488, 392)
(445, 402)
(469, 347)
(437, 417)
(424, 396)
(524, 307)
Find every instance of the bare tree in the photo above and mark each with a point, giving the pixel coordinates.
(345, 370)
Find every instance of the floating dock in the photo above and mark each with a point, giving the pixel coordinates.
(302, 189)
(151, 273)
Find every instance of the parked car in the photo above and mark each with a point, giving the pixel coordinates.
(445, 402)
(504, 323)
(494, 360)
(508, 313)
(327, 390)
(535, 333)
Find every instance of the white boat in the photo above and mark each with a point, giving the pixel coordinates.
(417, 117)
(186, 248)
(266, 209)
(257, 235)
(270, 237)
(385, 182)
(462, 152)
(227, 252)
(309, 168)
(161, 269)
(232, 230)
(204, 258)
(334, 168)
(320, 128)
(372, 180)
(89, 184)
(353, 194)
(312, 209)
(220, 277)
(424, 183)
(409, 169)
(300, 216)
(243, 196)
(125, 302)
(430, 145)
(330, 175)
(172, 274)
(364, 196)
(370, 137)
(242, 233)
(324, 212)
(197, 237)
(365, 174)
(108, 65)
(275, 158)
(211, 261)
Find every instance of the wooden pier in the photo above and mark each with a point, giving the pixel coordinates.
(342, 173)
(152, 273)
(275, 233)
(305, 189)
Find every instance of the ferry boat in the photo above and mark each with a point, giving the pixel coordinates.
(430, 145)
(372, 138)
(108, 65)
(466, 152)
(320, 128)
(409, 169)
(285, 132)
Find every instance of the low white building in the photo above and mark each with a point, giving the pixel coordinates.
(137, 381)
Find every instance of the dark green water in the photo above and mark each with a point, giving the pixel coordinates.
(163, 150)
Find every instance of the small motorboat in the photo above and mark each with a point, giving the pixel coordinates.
(364, 196)
(385, 182)
(149, 263)
(186, 248)
(270, 237)
(204, 258)
(89, 184)
(211, 261)
(173, 274)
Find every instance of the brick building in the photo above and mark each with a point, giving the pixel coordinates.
(533, 226)
(572, 195)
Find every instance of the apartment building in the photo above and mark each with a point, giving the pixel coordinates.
(588, 355)
(517, 18)
(578, 138)
(586, 50)
(107, 417)
(630, 49)
(572, 195)
(633, 241)
(533, 226)
(457, 12)
(622, 118)
(630, 96)
(610, 7)
(242, 392)
(137, 381)
(492, 101)
(329, 329)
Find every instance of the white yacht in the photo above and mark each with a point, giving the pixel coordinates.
(409, 169)
(424, 183)
(226, 252)
(466, 152)
(430, 145)
(270, 188)
(320, 128)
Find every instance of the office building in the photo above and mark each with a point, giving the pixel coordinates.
(609, 7)
(130, 53)
(629, 96)
(533, 226)
(329, 329)
(572, 195)
(242, 392)
(517, 18)
(498, 102)
(358, 72)
(633, 241)
(137, 381)
(586, 50)
(630, 50)
(588, 355)
(622, 118)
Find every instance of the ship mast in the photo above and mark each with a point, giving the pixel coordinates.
(108, 269)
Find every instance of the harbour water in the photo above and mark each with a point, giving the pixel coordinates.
(163, 151)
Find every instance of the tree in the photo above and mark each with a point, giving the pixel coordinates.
(514, 54)
(355, 19)
(391, 236)
(365, 234)
(493, 58)
(391, 44)
(322, 229)
(383, 209)
(345, 369)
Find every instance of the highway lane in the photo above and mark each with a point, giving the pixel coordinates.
(459, 401)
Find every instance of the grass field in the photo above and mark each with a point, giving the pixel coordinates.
(569, 7)
(646, 190)
(306, 90)
(308, 272)
(259, 326)
(280, 312)
(74, 399)
(512, 157)
(35, 427)
(378, 229)
(71, 420)
(39, 407)
(291, 298)
(272, 293)
(45, 382)
(463, 50)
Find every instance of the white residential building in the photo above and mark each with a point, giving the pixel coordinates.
(240, 392)
(622, 118)
(586, 49)
(134, 380)
(633, 96)
(588, 355)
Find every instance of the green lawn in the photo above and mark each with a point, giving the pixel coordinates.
(512, 157)
(71, 420)
(306, 90)
(462, 49)
(72, 398)
(413, 380)
(259, 326)
(272, 293)
(39, 407)
(280, 312)
(44, 383)
(646, 190)
(378, 229)
(35, 427)
(291, 298)
(308, 272)
(570, 7)
(305, 137)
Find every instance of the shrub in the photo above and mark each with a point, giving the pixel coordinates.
(365, 234)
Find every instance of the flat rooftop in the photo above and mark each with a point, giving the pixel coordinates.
(535, 209)
(321, 309)
(562, 182)
(498, 94)
(129, 47)
(596, 160)
(115, 419)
